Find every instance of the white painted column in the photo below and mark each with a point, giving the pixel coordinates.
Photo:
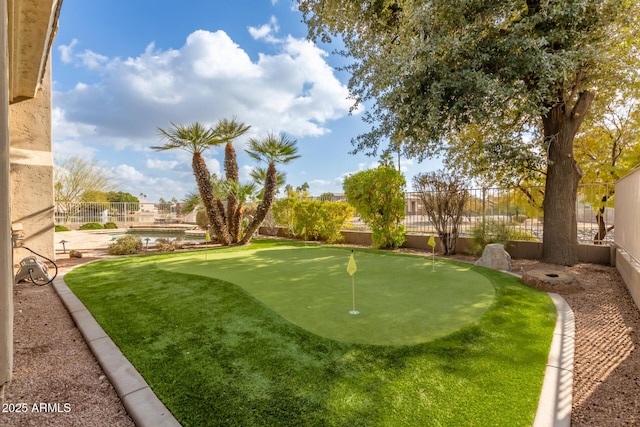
(6, 250)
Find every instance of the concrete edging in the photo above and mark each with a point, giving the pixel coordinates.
(141, 403)
(556, 397)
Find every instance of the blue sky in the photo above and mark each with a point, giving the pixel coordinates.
(123, 68)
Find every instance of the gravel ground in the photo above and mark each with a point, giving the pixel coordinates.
(54, 366)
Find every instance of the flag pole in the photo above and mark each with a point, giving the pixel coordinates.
(353, 292)
(433, 258)
(351, 269)
(432, 242)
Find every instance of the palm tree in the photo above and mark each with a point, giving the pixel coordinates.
(241, 193)
(271, 149)
(228, 130)
(259, 176)
(195, 139)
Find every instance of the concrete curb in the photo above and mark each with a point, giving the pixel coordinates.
(139, 400)
(556, 397)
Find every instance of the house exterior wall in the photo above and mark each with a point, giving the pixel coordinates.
(27, 30)
(627, 232)
(6, 255)
(32, 171)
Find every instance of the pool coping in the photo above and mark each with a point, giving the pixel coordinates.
(146, 409)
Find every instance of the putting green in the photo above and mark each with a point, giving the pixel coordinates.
(400, 299)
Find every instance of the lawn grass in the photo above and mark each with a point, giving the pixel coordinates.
(217, 355)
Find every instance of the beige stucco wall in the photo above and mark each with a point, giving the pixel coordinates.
(27, 30)
(6, 269)
(32, 171)
(627, 232)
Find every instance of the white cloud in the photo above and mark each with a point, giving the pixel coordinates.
(161, 164)
(63, 149)
(265, 31)
(128, 173)
(66, 51)
(245, 173)
(210, 77)
(92, 60)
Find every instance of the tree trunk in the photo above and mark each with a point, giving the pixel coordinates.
(560, 236)
(203, 179)
(448, 242)
(602, 228)
(270, 188)
(231, 173)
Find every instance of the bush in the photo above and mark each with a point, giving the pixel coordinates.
(495, 232)
(110, 225)
(61, 228)
(126, 245)
(378, 196)
(91, 226)
(313, 219)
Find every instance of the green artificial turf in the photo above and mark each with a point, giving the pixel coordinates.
(218, 354)
(400, 299)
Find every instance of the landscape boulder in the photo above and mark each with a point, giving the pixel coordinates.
(75, 254)
(494, 256)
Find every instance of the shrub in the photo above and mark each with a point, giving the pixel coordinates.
(495, 232)
(91, 226)
(378, 196)
(126, 245)
(61, 228)
(443, 196)
(110, 225)
(313, 219)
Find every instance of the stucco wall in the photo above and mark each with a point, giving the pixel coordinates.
(32, 171)
(627, 232)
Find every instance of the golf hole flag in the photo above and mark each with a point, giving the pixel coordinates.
(351, 269)
(351, 266)
(432, 243)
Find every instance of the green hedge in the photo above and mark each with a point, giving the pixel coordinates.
(91, 226)
(313, 219)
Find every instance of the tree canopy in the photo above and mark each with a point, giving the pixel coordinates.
(522, 73)
(77, 179)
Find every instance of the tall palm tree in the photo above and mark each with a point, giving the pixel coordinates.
(259, 176)
(228, 130)
(196, 139)
(272, 149)
(242, 194)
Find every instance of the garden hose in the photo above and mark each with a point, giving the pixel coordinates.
(31, 270)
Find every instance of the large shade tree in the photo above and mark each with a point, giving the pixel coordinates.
(608, 149)
(432, 68)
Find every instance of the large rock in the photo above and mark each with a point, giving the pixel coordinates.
(75, 254)
(494, 256)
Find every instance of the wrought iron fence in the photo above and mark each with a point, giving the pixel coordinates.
(123, 214)
(519, 209)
